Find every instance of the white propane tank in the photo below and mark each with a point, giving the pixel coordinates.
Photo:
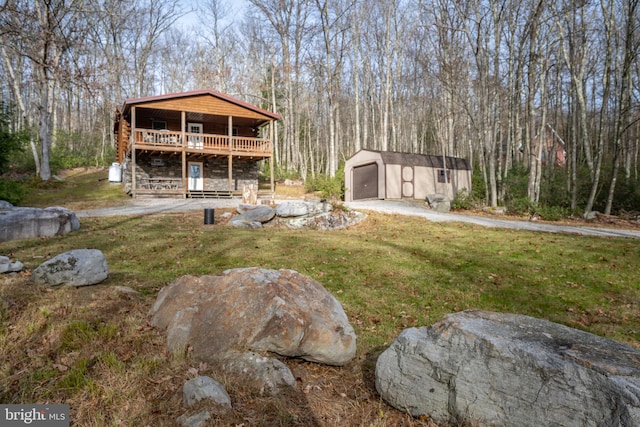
(115, 173)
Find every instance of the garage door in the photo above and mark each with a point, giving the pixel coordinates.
(365, 182)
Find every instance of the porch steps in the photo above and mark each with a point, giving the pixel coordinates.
(209, 194)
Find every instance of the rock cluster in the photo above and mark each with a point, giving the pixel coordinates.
(296, 215)
(488, 369)
(243, 317)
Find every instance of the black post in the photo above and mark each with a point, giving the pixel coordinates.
(208, 216)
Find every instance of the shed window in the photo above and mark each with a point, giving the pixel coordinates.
(441, 175)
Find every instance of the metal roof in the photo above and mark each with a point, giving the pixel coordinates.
(427, 160)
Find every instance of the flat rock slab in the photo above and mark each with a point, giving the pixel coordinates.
(302, 208)
(334, 220)
(492, 369)
(27, 223)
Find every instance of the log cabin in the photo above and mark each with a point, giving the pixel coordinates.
(199, 143)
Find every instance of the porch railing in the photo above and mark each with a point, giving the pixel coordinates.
(157, 137)
(202, 141)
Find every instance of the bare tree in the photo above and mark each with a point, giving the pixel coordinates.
(629, 48)
(44, 32)
(289, 20)
(149, 21)
(332, 16)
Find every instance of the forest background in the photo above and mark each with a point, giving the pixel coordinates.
(541, 96)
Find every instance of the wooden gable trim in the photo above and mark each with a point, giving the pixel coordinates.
(206, 105)
(203, 101)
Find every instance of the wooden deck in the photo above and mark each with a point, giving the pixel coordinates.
(263, 196)
(164, 140)
(212, 194)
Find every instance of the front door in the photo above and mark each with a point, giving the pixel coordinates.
(196, 180)
(195, 141)
(407, 182)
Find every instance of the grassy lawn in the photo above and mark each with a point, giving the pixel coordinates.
(93, 348)
(82, 189)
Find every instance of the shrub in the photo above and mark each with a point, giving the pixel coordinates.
(520, 206)
(552, 213)
(330, 188)
(11, 141)
(281, 174)
(626, 196)
(478, 192)
(553, 188)
(515, 188)
(463, 200)
(11, 191)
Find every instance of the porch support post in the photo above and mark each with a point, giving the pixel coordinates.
(183, 139)
(272, 182)
(230, 162)
(132, 136)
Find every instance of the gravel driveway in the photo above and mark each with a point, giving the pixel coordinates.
(399, 207)
(154, 206)
(413, 209)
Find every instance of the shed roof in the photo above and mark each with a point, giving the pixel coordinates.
(426, 160)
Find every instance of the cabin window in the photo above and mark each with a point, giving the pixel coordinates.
(441, 175)
(159, 125)
(234, 130)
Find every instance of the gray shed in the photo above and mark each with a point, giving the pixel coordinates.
(371, 174)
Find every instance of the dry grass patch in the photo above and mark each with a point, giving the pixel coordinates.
(92, 348)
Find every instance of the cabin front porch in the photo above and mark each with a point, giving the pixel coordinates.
(161, 175)
(192, 144)
(208, 144)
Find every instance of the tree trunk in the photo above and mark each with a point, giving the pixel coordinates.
(45, 127)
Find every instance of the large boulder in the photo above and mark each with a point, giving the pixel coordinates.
(491, 369)
(252, 216)
(254, 310)
(79, 267)
(255, 213)
(439, 202)
(27, 223)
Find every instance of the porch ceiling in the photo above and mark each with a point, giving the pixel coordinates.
(173, 115)
(194, 156)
